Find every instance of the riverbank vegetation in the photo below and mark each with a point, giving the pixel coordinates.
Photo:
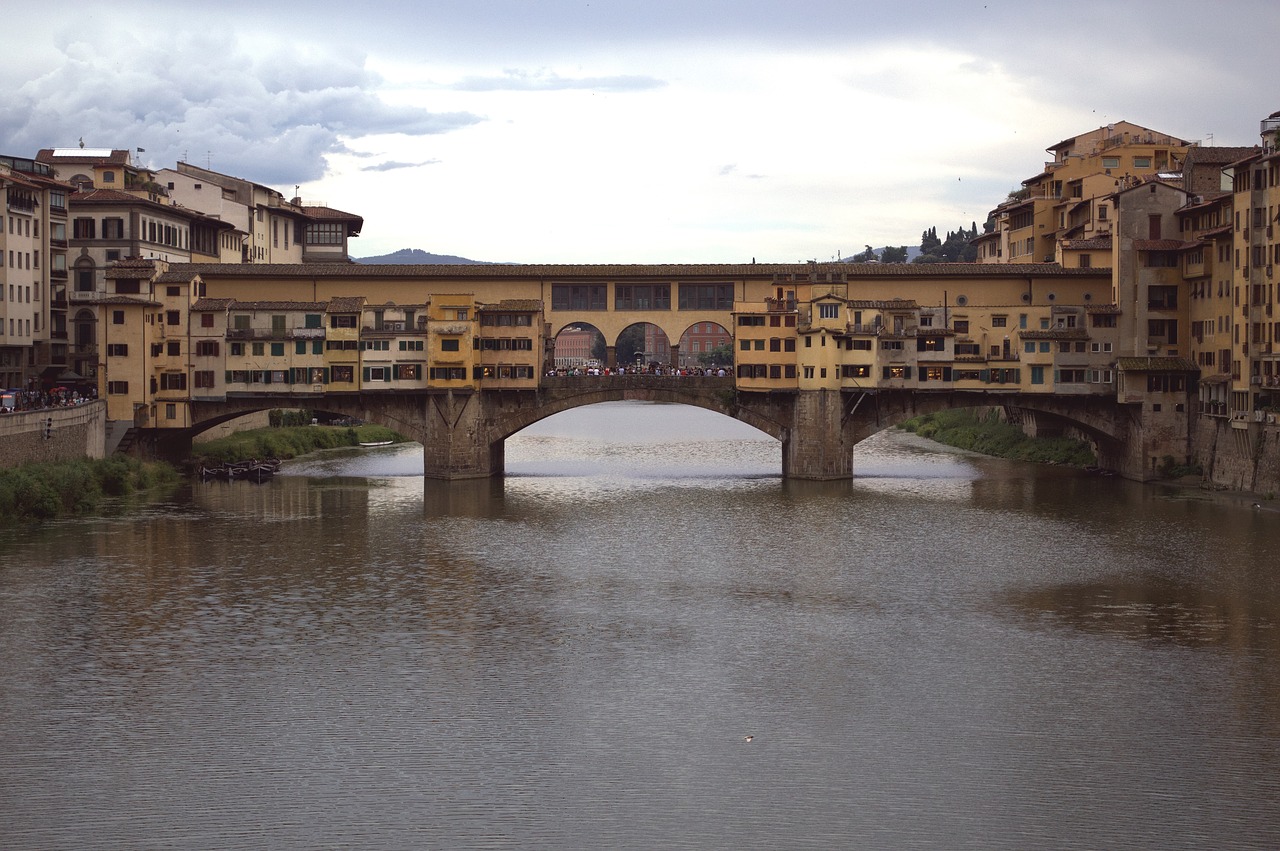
(74, 488)
(287, 441)
(985, 432)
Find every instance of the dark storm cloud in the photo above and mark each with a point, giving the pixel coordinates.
(272, 117)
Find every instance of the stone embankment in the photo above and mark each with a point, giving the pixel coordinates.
(1239, 455)
(53, 434)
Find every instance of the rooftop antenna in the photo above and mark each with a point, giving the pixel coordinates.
(208, 159)
(1209, 136)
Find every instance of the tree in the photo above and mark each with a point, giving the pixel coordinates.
(894, 254)
(929, 241)
(630, 341)
(868, 256)
(721, 355)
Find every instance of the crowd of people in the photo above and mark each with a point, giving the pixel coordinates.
(653, 369)
(37, 400)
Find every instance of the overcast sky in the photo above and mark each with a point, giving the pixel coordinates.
(683, 131)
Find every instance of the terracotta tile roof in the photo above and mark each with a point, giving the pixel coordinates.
(329, 214)
(126, 299)
(522, 304)
(672, 272)
(276, 305)
(1219, 156)
(116, 197)
(1157, 365)
(1054, 334)
(1225, 230)
(890, 304)
(346, 304)
(216, 304)
(116, 157)
(1163, 244)
(1097, 243)
(134, 267)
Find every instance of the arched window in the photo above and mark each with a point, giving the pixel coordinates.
(85, 275)
(86, 327)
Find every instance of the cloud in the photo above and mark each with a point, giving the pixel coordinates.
(731, 170)
(392, 165)
(207, 98)
(543, 80)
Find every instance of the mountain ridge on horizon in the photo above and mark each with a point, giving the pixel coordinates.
(418, 257)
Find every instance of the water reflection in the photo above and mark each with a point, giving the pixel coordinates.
(946, 651)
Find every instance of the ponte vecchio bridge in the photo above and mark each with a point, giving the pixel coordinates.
(456, 357)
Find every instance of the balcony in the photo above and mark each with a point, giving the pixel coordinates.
(781, 305)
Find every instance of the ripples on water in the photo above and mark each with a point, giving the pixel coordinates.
(948, 651)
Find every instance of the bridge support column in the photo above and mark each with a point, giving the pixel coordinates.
(611, 357)
(818, 446)
(456, 441)
(675, 355)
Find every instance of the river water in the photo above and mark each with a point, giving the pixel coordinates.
(946, 652)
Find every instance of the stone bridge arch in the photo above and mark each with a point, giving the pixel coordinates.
(463, 432)
(712, 394)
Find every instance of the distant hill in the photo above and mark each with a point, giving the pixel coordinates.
(417, 257)
(913, 251)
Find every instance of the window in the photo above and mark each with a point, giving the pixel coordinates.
(117, 317)
(173, 317)
(117, 350)
(1142, 162)
(237, 350)
(1071, 376)
(113, 228)
(203, 378)
(828, 311)
(322, 233)
(706, 297)
(1110, 162)
(118, 388)
(173, 349)
(207, 348)
(643, 297)
(277, 350)
(83, 228)
(173, 381)
(342, 320)
(999, 321)
(259, 349)
(343, 374)
(449, 344)
(962, 326)
(579, 297)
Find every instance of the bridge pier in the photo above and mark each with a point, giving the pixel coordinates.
(456, 443)
(819, 445)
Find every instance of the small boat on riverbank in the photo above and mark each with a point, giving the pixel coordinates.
(377, 443)
(254, 470)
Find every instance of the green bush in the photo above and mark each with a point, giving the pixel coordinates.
(988, 434)
(70, 488)
(286, 442)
